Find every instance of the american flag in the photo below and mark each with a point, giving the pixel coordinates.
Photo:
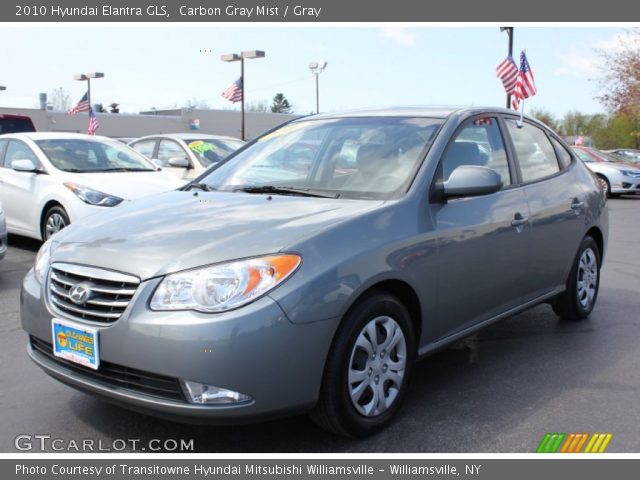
(525, 85)
(507, 72)
(93, 123)
(82, 106)
(234, 92)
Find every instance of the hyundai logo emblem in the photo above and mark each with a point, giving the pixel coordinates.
(80, 293)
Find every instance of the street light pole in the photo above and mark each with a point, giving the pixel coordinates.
(316, 69)
(87, 77)
(235, 57)
(509, 31)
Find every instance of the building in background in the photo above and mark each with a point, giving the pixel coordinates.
(216, 122)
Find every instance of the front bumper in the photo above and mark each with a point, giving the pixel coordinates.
(255, 350)
(625, 185)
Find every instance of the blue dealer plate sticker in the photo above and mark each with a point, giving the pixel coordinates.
(76, 343)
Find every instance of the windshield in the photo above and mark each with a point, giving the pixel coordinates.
(210, 151)
(80, 155)
(374, 157)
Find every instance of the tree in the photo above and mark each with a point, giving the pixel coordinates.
(621, 75)
(195, 102)
(259, 106)
(60, 100)
(620, 82)
(545, 116)
(281, 104)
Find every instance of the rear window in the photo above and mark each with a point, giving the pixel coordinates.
(15, 124)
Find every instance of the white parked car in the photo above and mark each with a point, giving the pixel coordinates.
(186, 155)
(48, 180)
(3, 234)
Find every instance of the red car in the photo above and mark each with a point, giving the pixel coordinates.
(15, 124)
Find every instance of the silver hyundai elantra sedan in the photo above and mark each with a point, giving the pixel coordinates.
(313, 268)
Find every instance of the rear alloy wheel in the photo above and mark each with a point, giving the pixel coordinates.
(368, 367)
(54, 220)
(578, 300)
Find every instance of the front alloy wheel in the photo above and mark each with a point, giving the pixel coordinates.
(55, 220)
(368, 367)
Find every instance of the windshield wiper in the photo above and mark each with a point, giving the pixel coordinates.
(125, 169)
(304, 192)
(201, 186)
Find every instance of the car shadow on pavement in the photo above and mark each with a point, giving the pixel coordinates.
(491, 392)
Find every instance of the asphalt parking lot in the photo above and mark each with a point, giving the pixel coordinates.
(498, 391)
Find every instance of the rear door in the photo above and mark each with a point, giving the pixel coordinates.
(557, 203)
(484, 241)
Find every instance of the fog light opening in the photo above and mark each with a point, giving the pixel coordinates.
(202, 394)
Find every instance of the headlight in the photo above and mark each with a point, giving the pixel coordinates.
(629, 173)
(225, 286)
(42, 261)
(93, 197)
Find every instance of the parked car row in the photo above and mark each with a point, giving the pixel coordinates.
(616, 175)
(48, 180)
(311, 269)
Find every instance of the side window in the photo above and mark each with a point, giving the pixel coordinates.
(145, 147)
(564, 157)
(535, 153)
(3, 145)
(478, 143)
(17, 150)
(167, 150)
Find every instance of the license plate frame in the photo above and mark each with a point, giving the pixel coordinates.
(76, 343)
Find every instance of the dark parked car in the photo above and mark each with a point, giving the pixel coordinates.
(15, 124)
(246, 295)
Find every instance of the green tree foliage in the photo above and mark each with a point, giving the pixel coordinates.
(281, 104)
(545, 116)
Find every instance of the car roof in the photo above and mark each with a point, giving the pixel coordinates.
(414, 111)
(55, 136)
(189, 136)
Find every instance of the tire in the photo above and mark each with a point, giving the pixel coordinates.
(604, 183)
(53, 221)
(350, 408)
(578, 300)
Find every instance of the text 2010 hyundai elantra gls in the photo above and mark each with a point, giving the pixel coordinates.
(312, 268)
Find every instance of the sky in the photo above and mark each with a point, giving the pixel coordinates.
(166, 66)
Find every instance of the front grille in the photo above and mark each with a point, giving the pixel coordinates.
(109, 292)
(117, 375)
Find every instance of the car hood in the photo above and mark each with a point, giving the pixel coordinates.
(127, 185)
(603, 166)
(181, 230)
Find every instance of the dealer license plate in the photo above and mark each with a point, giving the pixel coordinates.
(76, 343)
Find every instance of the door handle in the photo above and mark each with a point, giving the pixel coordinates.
(518, 220)
(577, 204)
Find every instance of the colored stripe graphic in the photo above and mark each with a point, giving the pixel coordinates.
(550, 442)
(574, 442)
(598, 443)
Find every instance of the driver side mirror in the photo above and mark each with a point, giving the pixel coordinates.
(472, 181)
(24, 166)
(179, 162)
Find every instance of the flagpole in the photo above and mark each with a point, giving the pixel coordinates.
(509, 31)
(244, 89)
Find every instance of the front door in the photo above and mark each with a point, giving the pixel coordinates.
(484, 241)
